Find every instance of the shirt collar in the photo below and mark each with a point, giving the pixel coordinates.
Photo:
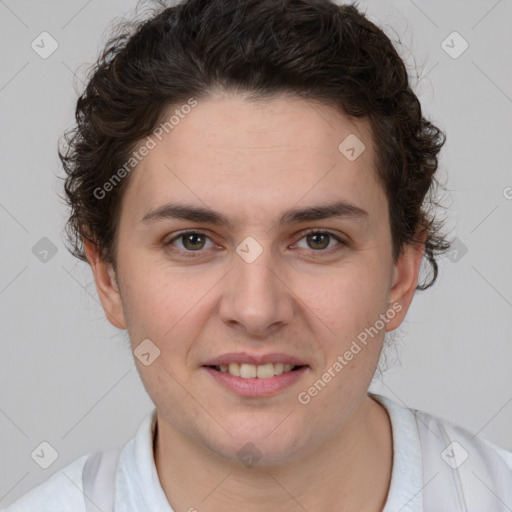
(405, 490)
(141, 489)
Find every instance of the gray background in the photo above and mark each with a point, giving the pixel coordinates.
(67, 376)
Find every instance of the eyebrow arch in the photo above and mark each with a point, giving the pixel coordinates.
(339, 209)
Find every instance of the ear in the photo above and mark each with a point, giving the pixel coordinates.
(106, 285)
(404, 282)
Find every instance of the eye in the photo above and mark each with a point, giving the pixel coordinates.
(320, 240)
(191, 241)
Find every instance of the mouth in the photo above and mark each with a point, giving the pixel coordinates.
(253, 371)
(256, 376)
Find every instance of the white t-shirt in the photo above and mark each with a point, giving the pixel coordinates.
(138, 489)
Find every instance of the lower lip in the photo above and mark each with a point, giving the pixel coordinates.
(257, 387)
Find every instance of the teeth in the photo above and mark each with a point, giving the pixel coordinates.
(247, 371)
(251, 371)
(234, 369)
(264, 371)
(278, 368)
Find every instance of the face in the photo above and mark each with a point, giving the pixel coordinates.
(246, 238)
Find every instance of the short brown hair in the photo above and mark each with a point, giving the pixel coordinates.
(313, 49)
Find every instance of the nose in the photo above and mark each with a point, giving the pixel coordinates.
(256, 298)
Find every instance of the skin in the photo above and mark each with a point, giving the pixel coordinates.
(252, 161)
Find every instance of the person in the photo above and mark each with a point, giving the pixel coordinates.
(252, 185)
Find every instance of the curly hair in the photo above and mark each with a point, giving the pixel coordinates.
(311, 49)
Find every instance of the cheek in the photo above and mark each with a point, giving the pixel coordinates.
(162, 303)
(345, 301)
(145, 299)
(350, 306)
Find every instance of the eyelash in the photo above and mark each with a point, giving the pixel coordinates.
(199, 253)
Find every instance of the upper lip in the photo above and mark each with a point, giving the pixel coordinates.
(242, 357)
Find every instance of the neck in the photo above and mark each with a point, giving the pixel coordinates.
(351, 472)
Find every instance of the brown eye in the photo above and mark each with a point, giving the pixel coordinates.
(189, 242)
(321, 241)
(193, 241)
(318, 240)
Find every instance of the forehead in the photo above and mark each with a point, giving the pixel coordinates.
(232, 122)
(252, 156)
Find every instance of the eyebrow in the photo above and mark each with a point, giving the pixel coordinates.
(339, 209)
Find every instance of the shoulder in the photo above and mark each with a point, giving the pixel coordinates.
(448, 463)
(462, 467)
(61, 492)
(448, 442)
(461, 445)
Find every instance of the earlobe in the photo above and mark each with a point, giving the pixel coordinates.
(404, 282)
(106, 285)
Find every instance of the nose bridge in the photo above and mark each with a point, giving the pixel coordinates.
(256, 298)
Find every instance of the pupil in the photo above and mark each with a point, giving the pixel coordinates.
(194, 239)
(316, 239)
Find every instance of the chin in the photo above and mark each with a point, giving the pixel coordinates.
(265, 446)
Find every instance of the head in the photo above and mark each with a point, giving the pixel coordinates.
(254, 177)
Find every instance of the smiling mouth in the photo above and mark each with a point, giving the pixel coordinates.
(253, 371)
